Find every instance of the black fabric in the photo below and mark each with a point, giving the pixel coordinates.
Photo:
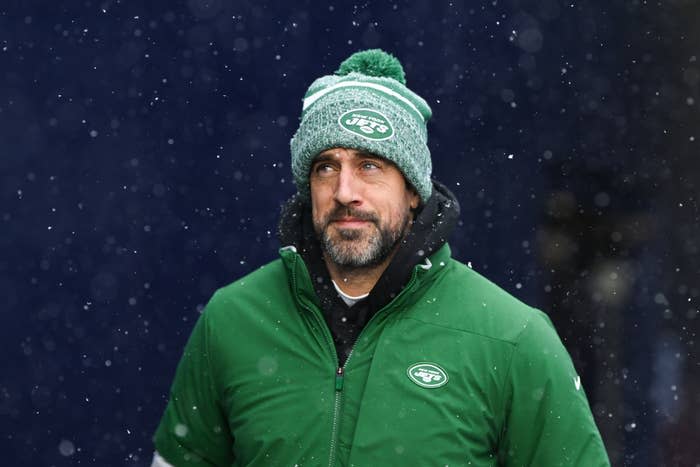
(432, 226)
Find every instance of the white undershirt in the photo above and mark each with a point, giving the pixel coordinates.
(349, 299)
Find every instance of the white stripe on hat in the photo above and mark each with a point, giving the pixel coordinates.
(344, 84)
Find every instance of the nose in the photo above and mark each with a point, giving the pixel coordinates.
(347, 191)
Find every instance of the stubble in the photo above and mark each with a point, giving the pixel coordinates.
(359, 248)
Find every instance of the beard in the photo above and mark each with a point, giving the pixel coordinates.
(359, 248)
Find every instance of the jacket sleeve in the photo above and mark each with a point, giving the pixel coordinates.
(547, 418)
(193, 430)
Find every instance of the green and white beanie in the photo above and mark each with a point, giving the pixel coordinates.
(366, 106)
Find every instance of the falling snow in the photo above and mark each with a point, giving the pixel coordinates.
(144, 157)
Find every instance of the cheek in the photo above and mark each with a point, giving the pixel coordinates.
(396, 213)
(316, 214)
(319, 211)
(317, 196)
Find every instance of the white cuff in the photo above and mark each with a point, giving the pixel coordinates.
(158, 461)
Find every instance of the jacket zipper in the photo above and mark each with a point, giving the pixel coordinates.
(339, 377)
(340, 371)
(339, 382)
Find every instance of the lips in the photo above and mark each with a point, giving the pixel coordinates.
(350, 222)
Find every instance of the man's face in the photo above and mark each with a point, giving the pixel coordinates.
(361, 206)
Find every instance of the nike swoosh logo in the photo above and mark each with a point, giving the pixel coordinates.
(577, 382)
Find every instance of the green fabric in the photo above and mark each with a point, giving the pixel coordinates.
(406, 111)
(258, 378)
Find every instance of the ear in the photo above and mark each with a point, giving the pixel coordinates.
(414, 198)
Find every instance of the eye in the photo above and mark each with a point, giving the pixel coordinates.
(323, 169)
(369, 165)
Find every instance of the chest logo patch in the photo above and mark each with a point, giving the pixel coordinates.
(367, 123)
(427, 375)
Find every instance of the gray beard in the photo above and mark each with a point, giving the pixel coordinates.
(380, 244)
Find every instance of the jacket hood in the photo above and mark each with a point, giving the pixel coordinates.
(431, 228)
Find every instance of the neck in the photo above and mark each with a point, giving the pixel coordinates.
(357, 281)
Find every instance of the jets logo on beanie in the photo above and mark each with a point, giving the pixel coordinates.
(365, 106)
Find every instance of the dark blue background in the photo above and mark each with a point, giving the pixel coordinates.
(144, 157)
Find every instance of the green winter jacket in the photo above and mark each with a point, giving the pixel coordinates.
(453, 372)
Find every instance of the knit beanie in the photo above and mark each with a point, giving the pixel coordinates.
(365, 106)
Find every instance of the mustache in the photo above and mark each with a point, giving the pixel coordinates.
(341, 212)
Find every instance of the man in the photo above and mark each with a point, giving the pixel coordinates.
(365, 344)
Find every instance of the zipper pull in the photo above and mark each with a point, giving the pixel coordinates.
(339, 376)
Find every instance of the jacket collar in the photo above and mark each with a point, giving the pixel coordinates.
(304, 290)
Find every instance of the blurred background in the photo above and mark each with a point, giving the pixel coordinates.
(144, 158)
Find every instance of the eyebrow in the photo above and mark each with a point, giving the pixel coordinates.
(323, 157)
(328, 156)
